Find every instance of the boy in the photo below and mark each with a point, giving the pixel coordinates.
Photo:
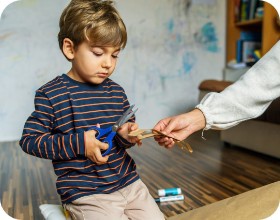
(91, 186)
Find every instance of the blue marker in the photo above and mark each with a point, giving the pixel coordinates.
(169, 192)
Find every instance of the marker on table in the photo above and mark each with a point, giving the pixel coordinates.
(170, 198)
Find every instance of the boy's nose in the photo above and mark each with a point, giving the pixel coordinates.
(107, 63)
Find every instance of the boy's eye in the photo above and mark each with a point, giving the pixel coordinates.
(97, 54)
(115, 56)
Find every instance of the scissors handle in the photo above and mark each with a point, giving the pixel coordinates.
(109, 139)
(101, 131)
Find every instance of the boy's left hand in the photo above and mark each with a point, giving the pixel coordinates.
(125, 129)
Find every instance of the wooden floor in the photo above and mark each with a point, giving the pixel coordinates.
(210, 174)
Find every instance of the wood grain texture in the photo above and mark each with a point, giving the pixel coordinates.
(211, 173)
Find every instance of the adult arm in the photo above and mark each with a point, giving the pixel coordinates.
(248, 97)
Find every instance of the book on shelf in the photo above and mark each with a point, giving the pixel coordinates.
(248, 47)
(246, 9)
(253, 6)
(248, 51)
(250, 35)
(236, 10)
(239, 51)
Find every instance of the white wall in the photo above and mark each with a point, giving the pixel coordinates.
(171, 49)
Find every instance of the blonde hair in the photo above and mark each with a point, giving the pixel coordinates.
(96, 21)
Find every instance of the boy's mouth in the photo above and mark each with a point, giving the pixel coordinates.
(102, 75)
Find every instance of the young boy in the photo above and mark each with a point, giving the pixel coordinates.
(91, 186)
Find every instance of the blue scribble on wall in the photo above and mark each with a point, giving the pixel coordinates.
(207, 37)
(188, 62)
(170, 25)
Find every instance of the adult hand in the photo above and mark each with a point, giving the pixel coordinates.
(179, 127)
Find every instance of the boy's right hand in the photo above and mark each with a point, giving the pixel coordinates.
(93, 148)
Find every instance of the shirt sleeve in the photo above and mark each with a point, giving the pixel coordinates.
(39, 139)
(248, 97)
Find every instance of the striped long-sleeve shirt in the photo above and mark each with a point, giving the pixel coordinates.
(64, 110)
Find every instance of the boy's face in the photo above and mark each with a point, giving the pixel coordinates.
(93, 64)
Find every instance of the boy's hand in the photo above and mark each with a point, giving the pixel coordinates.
(93, 148)
(125, 129)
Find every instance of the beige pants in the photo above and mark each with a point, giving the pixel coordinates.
(132, 202)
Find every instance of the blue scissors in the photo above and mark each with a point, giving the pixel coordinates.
(112, 130)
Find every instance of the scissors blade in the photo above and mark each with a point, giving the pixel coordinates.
(125, 117)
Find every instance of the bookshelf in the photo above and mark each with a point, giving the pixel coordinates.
(267, 27)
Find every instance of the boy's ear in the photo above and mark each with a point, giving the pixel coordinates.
(68, 48)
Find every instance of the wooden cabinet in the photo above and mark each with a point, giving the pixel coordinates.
(268, 26)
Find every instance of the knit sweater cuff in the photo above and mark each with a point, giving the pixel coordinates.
(205, 110)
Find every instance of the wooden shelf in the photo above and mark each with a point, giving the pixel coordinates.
(249, 22)
(267, 26)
